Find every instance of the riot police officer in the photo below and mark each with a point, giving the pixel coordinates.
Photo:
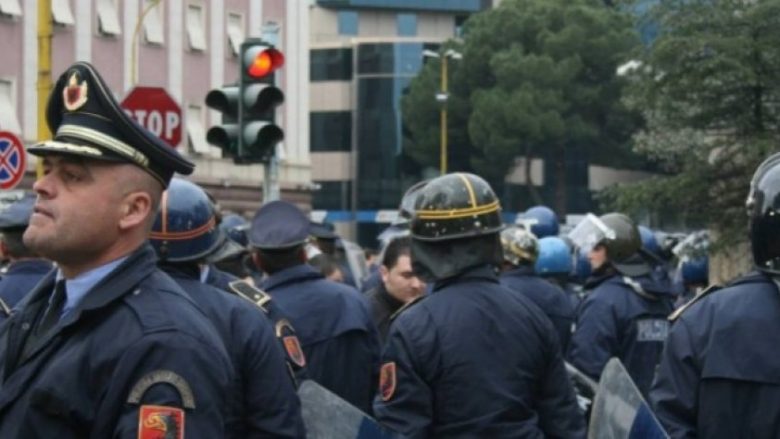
(718, 376)
(624, 314)
(25, 269)
(472, 358)
(108, 345)
(521, 250)
(263, 399)
(332, 320)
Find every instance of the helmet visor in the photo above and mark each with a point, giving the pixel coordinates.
(590, 232)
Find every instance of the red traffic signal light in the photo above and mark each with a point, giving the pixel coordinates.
(260, 61)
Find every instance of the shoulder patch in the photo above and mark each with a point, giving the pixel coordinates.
(679, 311)
(292, 346)
(387, 380)
(162, 377)
(251, 293)
(159, 421)
(5, 309)
(407, 305)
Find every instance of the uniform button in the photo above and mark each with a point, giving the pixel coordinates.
(25, 326)
(136, 292)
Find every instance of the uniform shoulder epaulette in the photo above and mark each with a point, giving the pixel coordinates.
(679, 311)
(406, 306)
(4, 308)
(251, 293)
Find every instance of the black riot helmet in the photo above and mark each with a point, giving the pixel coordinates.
(455, 227)
(763, 207)
(454, 206)
(406, 208)
(619, 235)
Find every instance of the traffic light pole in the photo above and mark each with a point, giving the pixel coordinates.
(271, 180)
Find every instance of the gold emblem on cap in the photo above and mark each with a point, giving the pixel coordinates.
(74, 94)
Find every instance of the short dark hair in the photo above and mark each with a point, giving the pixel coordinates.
(15, 244)
(401, 246)
(325, 263)
(279, 259)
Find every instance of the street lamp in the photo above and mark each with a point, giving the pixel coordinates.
(441, 98)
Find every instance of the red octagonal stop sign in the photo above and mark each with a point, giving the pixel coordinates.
(155, 110)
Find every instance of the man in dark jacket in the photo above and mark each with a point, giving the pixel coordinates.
(332, 320)
(399, 284)
(624, 314)
(470, 359)
(718, 376)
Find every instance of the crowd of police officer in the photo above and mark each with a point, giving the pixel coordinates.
(131, 307)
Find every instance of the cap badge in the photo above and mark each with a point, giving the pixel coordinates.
(75, 93)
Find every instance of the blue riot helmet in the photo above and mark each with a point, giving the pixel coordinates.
(185, 228)
(649, 242)
(235, 227)
(541, 220)
(695, 271)
(554, 257)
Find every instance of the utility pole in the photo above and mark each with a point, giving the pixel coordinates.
(44, 85)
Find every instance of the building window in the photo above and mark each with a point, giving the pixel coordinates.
(10, 8)
(196, 134)
(348, 22)
(407, 25)
(460, 22)
(235, 32)
(330, 131)
(195, 27)
(331, 65)
(61, 12)
(108, 18)
(153, 28)
(8, 119)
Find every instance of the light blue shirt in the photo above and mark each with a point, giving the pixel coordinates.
(79, 286)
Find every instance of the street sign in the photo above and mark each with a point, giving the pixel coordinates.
(13, 160)
(154, 109)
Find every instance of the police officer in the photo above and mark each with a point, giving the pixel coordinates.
(556, 265)
(471, 359)
(332, 320)
(25, 269)
(540, 220)
(521, 250)
(263, 399)
(624, 314)
(719, 368)
(108, 345)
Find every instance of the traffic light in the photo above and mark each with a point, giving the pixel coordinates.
(248, 131)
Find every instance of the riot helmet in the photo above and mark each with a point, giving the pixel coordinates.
(555, 257)
(541, 220)
(520, 245)
(619, 236)
(455, 227)
(185, 228)
(406, 208)
(235, 227)
(695, 271)
(763, 208)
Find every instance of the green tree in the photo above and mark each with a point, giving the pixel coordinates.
(709, 92)
(537, 79)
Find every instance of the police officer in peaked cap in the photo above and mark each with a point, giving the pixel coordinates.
(25, 268)
(107, 345)
(718, 376)
(262, 400)
(624, 313)
(472, 358)
(332, 320)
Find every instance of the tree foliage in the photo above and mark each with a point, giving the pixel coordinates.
(537, 79)
(709, 93)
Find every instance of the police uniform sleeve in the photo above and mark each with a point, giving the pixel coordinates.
(676, 387)
(595, 338)
(272, 405)
(404, 401)
(167, 383)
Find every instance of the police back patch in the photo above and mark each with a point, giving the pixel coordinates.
(652, 329)
(160, 422)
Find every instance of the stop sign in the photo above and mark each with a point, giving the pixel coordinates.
(156, 111)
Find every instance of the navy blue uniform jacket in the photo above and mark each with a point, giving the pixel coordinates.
(550, 298)
(334, 327)
(719, 375)
(263, 399)
(614, 320)
(78, 380)
(21, 277)
(474, 359)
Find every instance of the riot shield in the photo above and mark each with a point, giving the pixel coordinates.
(327, 416)
(619, 411)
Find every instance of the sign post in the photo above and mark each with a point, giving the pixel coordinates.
(154, 109)
(13, 160)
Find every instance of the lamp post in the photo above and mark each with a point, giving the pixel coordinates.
(441, 98)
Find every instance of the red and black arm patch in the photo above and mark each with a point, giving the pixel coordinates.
(160, 422)
(387, 380)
